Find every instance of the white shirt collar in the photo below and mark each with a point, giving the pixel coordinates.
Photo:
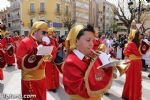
(79, 54)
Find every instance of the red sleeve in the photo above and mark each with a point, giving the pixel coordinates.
(131, 49)
(73, 80)
(20, 52)
(3, 41)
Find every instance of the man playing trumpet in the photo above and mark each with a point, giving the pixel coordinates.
(81, 78)
(32, 65)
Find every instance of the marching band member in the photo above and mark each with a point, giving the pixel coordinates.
(52, 35)
(97, 41)
(81, 78)
(133, 88)
(59, 54)
(32, 66)
(8, 46)
(2, 61)
(52, 74)
(17, 39)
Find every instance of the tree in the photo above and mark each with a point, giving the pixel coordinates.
(68, 22)
(134, 14)
(127, 20)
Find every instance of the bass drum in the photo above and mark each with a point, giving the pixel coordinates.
(31, 60)
(2, 59)
(60, 57)
(144, 47)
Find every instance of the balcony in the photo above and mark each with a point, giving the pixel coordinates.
(13, 8)
(42, 11)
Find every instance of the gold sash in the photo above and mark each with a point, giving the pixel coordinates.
(33, 74)
(77, 97)
(134, 57)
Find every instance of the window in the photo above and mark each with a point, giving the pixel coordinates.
(57, 8)
(9, 25)
(66, 10)
(32, 8)
(42, 7)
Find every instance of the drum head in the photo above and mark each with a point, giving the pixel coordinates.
(31, 61)
(144, 47)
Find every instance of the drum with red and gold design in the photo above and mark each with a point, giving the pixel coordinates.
(32, 60)
(144, 47)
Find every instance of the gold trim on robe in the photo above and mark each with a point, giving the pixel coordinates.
(98, 92)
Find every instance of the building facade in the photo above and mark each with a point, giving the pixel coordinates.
(14, 17)
(93, 13)
(23, 13)
(80, 11)
(51, 11)
(106, 16)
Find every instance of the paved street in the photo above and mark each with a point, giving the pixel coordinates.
(11, 85)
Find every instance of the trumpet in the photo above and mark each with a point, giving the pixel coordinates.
(120, 67)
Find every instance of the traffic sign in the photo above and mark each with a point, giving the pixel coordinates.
(138, 25)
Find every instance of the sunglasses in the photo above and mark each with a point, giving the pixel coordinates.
(44, 32)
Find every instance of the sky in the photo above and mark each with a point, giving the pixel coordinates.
(4, 4)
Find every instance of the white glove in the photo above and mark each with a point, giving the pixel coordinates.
(46, 40)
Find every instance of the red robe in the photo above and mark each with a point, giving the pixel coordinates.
(17, 39)
(2, 62)
(1, 74)
(7, 41)
(132, 88)
(52, 74)
(79, 80)
(54, 42)
(33, 79)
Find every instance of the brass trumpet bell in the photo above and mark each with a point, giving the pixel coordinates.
(122, 67)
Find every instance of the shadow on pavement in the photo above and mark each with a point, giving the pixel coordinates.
(145, 78)
(59, 95)
(1, 87)
(120, 82)
(113, 97)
